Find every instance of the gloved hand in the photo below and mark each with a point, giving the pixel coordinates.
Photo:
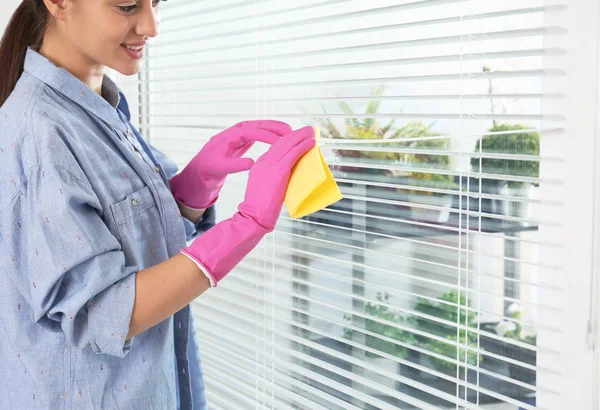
(199, 184)
(220, 249)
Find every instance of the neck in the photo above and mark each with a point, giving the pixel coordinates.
(68, 57)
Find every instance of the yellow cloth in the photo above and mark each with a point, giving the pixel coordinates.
(311, 187)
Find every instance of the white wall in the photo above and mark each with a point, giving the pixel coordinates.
(7, 8)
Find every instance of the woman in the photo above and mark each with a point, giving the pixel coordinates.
(95, 275)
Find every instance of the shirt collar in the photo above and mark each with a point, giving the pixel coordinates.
(123, 105)
(114, 96)
(74, 89)
(110, 91)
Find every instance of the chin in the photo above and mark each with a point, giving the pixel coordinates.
(128, 70)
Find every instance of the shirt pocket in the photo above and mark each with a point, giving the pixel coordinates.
(139, 226)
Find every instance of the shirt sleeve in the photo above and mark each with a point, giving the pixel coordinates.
(66, 263)
(207, 221)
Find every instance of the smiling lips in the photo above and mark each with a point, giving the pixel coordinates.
(135, 51)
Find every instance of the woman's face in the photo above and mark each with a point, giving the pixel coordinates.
(111, 33)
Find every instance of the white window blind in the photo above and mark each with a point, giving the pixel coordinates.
(433, 284)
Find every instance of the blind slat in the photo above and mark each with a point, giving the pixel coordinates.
(415, 97)
(463, 77)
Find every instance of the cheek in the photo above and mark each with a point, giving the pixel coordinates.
(105, 28)
(90, 35)
(116, 31)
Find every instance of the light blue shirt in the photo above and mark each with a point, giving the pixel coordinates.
(84, 206)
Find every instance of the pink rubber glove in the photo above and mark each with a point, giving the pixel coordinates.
(222, 247)
(199, 184)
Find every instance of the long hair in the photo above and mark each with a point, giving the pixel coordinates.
(25, 29)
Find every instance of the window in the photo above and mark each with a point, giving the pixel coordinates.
(439, 281)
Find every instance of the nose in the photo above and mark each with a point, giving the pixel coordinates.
(147, 24)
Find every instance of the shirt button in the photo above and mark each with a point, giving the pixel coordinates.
(156, 169)
(128, 131)
(134, 202)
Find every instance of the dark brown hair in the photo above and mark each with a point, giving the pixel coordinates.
(26, 28)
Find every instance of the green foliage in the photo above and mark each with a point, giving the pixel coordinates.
(417, 129)
(446, 312)
(360, 129)
(439, 310)
(379, 311)
(453, 314)
(522, 143)
(451, 350)
(518, 333)
(371, 129)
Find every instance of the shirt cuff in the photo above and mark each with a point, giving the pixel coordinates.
(109, 314)
(207, 221)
